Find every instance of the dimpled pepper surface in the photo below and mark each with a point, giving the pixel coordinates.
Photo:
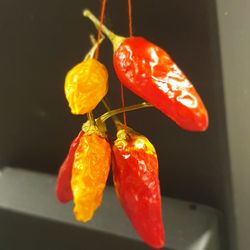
(63, 185)
(85, 86)
(149, 72)
(135, 173)
(90, 172)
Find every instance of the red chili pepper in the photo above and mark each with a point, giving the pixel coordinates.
(149, 72)
(63, 187)
(135, 173)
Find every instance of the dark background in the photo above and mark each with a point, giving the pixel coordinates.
(41, 40)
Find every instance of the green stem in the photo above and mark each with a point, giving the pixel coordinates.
(91, 53)
(115, 39)
(91, 119)
(92, 39)
(115, 119)
(111, 113)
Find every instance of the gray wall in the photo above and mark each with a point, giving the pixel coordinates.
(235, 40)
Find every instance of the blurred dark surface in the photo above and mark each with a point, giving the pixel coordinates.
(75, 238)
(53, 226)
(41, 40)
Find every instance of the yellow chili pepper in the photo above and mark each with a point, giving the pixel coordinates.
(85, 86)
(90, 172)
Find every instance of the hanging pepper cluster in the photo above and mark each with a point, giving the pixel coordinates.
(150, 73)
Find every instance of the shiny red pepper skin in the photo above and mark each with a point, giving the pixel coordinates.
(149, 72)
(135, 174)
(63, 185)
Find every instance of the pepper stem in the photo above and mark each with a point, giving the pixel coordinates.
(115, 39)
(91, 119)
(91, 53)
(115, 119)
(114, 112)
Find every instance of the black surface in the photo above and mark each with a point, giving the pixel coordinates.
(41, 40)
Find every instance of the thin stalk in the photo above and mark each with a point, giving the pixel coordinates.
(91, 53)
(114, 112)
(91, 119)
(105, 30)
(115, 119)
(92, 39)
(115, 39)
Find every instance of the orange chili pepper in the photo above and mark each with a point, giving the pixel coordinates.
(85, 86)
(90, 172)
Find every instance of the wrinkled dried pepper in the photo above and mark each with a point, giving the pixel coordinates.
(63, 185)
(135, 174)
(85, 86)
(149, 72)
(89, 175)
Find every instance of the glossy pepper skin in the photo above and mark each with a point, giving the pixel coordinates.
(149, 72)
(135, 174)
(85, 86)
(89, 175)
(63, 185)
